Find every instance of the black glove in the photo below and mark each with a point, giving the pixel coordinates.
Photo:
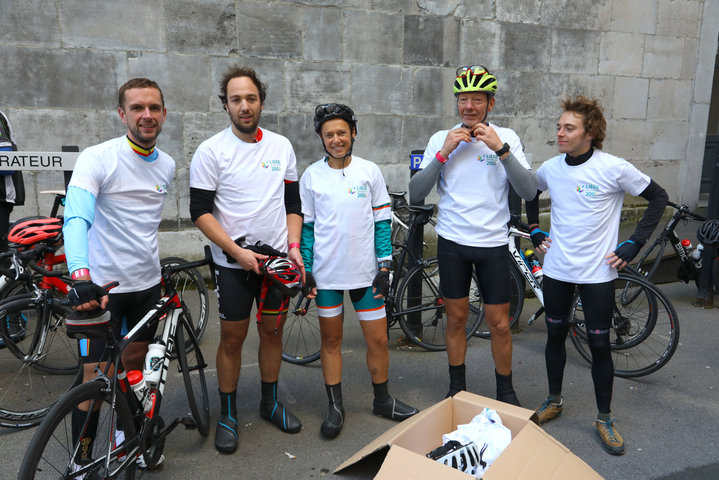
(380, 284)
(538, 236)
(259, 247)
(84, 291)
(309, 284)
(627, 250)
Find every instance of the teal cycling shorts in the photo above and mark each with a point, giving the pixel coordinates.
(330, 303)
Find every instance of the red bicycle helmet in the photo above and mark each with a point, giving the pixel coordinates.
(31, 230)
(284, 274)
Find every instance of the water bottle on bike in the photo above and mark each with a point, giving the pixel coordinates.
(533, 263)
(139, 386)
(153, 363)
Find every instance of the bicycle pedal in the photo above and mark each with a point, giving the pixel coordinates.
(188, 423)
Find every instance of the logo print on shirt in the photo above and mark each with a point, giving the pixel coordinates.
(588, 190)
(273, 165)
(361, 191)
(490, 160)
(161, 188)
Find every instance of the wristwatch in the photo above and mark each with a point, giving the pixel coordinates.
(503, 150)
(385, 264)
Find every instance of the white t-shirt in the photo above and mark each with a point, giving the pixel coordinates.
(129, 196)
(249, 184)
(473, 189)
(586, 209)
(344, 206)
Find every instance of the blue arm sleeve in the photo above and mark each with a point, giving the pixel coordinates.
(383, 239)
(307, 245)
(6, 172)
(79, 215)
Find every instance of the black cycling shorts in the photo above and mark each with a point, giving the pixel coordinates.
(127, 309)
(455, 270)
(237, 289)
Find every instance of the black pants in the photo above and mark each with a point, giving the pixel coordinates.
(597, 300)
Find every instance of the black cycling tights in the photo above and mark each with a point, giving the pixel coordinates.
(597, 300)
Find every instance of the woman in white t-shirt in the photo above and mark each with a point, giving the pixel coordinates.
(346, 246)
(587, 188)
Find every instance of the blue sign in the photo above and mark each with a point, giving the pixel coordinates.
(415, 159)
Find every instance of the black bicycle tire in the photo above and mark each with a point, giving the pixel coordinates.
(665, 330)
(301, 338)
(199, 324)
(55, 334)
(41, 445)
(28, 389)
(199, 406)
(516, 304)
(437, 305)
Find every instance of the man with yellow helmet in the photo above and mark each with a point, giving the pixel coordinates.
(473, 165)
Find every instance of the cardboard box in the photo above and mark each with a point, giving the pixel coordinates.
(532, 454)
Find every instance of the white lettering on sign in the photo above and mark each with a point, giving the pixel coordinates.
(37, 160)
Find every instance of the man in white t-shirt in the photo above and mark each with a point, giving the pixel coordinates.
(113, 210)
(587, 188)
(244, 190)
(473, 165)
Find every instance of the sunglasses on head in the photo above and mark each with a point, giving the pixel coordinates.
(475, 69)
(329, 109)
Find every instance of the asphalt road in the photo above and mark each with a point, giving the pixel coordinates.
(668, 419)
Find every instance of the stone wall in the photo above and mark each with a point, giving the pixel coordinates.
(651, 63)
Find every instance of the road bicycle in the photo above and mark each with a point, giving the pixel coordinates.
(689, 269)
(38, 362)
(645, 329)
(127, 429)
(414, 301)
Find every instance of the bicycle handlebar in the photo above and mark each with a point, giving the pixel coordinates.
(684, 209)
(185, 266)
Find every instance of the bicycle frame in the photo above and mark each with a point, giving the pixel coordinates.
(668, 235)
(169, 308)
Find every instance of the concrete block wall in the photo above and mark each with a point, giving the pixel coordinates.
(651, 63)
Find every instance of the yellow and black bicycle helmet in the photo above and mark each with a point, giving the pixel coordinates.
(475, 78)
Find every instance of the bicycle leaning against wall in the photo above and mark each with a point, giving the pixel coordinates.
(691, 257)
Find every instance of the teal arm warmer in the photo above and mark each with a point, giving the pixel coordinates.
(307, 245)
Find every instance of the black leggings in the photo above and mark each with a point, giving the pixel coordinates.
(597, 301)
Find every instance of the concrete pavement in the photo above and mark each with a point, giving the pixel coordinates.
(668, 419)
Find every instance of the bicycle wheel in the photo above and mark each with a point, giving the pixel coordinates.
(301, 339)
(644, 333)
(192, 365)
(422, 313)
(52, 350)
(191, 289)
(51, 453)
(37, 367)
(516, 302)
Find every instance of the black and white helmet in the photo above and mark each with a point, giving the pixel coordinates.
(708, 233)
